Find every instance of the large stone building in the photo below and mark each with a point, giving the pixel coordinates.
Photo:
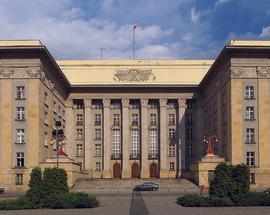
(134, 119)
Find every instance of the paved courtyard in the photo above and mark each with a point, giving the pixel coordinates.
(144, 203)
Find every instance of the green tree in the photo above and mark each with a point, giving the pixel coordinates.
(240, 176)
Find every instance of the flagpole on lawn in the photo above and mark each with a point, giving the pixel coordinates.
(133, 40)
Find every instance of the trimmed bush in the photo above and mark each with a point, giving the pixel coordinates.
(192, 200)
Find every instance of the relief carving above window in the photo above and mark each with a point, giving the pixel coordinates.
(263, 72)
(6, 72)
(133, 75)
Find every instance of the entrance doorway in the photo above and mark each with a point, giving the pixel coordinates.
(153, 170)
(116, 170)
(135, 170)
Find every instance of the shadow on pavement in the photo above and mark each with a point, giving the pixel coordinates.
(137, 204)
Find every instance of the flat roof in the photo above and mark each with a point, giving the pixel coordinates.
(21, 43)
(249, 43)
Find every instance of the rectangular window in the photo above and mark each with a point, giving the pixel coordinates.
(189, 134)
(153, 105)
(54, 107)
(171, 119)
(45, 118)
(189, 104)
(171, 105)
(189, 119)
(20, 92)
(135, 119)
(250, 113)
(171, 150)
(135, 144)
(190, 150)
(79, 105)
(250, 158)
(116, 105)
(98, 105)
(45, 139)
(171, 134)
(20, 159)
(20, 113)
(116, 119)
(98, 166)
(250, 135)
(46, 99)
(97, 150)
(20, 136)
(79, 119)
(116, 143)
(153, 119)
(135, 105)
(249, 92)
(172, 166)
(79, 149)
(153, 143)
(19, 179)
(252, 178)
(97, 134)
(79, 133)
(98, 119)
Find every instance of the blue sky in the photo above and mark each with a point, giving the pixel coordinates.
(167, 29)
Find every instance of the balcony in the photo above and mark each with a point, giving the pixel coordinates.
(116, 156)
(153, 156)
(134, 156)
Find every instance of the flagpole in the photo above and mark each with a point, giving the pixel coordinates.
(133, 41)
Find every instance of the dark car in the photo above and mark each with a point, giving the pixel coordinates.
(2, 190)
(146, 186)
(267, 191)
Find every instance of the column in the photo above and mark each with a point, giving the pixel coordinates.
(163, 139)
(126, 139)
(70, 129)
(181, 135)
(144, 139)
(88, 132)
(107, 138)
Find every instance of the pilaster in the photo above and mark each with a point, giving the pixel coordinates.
(88, 132)
(107, 138)
(70, 129)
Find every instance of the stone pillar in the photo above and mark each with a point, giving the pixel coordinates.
(144, 139)
(88, 132)
(181, 135)
(126, 139)
(107, 138)
(163, 139)
(70, 129)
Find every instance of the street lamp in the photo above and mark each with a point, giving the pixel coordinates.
(208, 140)
(58, 139)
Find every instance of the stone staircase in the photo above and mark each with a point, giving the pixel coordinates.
(181, 185)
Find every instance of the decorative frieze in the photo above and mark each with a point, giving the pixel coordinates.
(263, 72)
(133, 75)
(238, 72)
(6, 72)
(35, 72)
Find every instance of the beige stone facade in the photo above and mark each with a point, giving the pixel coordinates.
(139, 119)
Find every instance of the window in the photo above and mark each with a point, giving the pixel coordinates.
(97, 134)
(190, 150)
(20, 136)
(171, 105)
(54, 107)
(116, 105)
(98, 119)
(135, 119)
(45, 118)
(135, 105)
(20, 92)
(153, 143)
(171, 119)
(172, 166)
(79, 133)
(79, 119)
(116, 143)
(249, 92)
(79, 105)
(153, 105)
(116, 119)
(252, 178)
(189, 134)
(45, 139)
(98, 105)
(19, 179)
(249, 113)
(171, 150)
(79, 149)
(153, 119)
(135, 145)
(189, 104)
(46, 99)
(250, 158)
(20, 159)
(98, 166)
(171, 134)
(250, 135)
(97, 150)
(20, 113)
(189, 118)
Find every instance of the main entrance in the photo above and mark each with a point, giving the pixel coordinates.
(116, 170)
(135, 170)
(153, 170)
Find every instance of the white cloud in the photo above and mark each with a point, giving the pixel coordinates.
(265, 32)
(107, 4)
(195, 15)
(220, 2)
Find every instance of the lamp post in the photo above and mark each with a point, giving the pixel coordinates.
(58, 139)
(208, 140)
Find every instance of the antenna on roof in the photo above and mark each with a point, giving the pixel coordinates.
(101, 52)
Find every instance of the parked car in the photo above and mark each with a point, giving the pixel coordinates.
(2, 190)
(267, 191)
(146, 186)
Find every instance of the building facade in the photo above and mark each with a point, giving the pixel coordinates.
(134, 119)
